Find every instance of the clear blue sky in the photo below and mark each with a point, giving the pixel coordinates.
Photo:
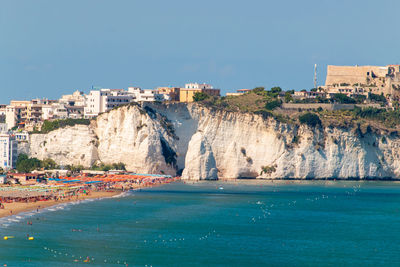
(49, 47)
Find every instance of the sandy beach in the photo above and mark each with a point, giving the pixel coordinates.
(18, 207)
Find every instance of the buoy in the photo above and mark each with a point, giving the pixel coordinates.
(31, 238)
(6, 237)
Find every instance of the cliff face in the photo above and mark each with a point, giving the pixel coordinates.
(72, 145)
(206, 144)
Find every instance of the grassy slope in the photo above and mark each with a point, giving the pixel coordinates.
(386, 121)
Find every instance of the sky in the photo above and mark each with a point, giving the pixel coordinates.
(49, 48)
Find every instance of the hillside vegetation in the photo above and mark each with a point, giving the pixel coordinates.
(267, 103)
(49, 126)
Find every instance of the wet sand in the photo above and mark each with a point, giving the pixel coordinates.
(18, 207)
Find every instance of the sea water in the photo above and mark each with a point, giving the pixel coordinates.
(215, 224)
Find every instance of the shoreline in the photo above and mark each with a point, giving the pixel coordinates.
(15, 208)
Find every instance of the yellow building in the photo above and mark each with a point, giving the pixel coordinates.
(186, 94)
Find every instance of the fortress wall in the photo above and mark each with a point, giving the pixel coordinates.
(352, 74)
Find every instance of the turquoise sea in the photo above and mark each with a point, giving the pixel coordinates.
(216, 224)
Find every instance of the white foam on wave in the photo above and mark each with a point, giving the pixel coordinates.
(124, 194)
(9, 220)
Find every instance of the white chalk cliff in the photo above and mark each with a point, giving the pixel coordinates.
(202, 144)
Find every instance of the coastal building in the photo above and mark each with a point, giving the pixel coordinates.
(353, 80)
(27, 113)
(8, 151)
(186, 94)
(308, 94)
(72, 106)
(16, 113)
(77, 98)
(169, 93)
(145, 95)
(103, 100)
(239, 92)
(25, 178)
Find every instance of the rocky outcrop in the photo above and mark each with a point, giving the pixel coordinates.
(200, 162)
(202, 143)
(134, 136)
(67, 146)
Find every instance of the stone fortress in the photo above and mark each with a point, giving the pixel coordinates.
(361, 80)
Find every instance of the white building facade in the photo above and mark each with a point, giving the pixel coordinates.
(103, 100)
(8, 149)
(198, 86)
(145, 95)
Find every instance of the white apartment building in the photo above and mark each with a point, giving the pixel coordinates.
(145, 95)
(8, 148)
(99, 101)
(11, 117)
(198, 86)
(77, 98)
(73, 104)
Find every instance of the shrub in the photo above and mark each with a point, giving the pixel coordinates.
(26, 164)
(360, 98)
(107, 167)
(48, 164)
(49, 126)
(273, 105)
(249, 160)
(258, 90)
(343, 99)
(311, 119)
(377, 98)
(265, 114)
(276, 89)
(288, 97)
(199, 96)
(268, 169)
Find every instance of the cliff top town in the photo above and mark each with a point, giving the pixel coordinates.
(346, 88)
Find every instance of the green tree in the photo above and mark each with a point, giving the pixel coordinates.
(377, 98)
(26, 164)
(199, 96)
(343, 99)
(276, 89)
(310, 119)
(258, 90)
(288, 97)
(48, 164)
(119, 166)
(273, 105)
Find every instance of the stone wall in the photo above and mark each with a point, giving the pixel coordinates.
(352, 74)
(326, 106)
